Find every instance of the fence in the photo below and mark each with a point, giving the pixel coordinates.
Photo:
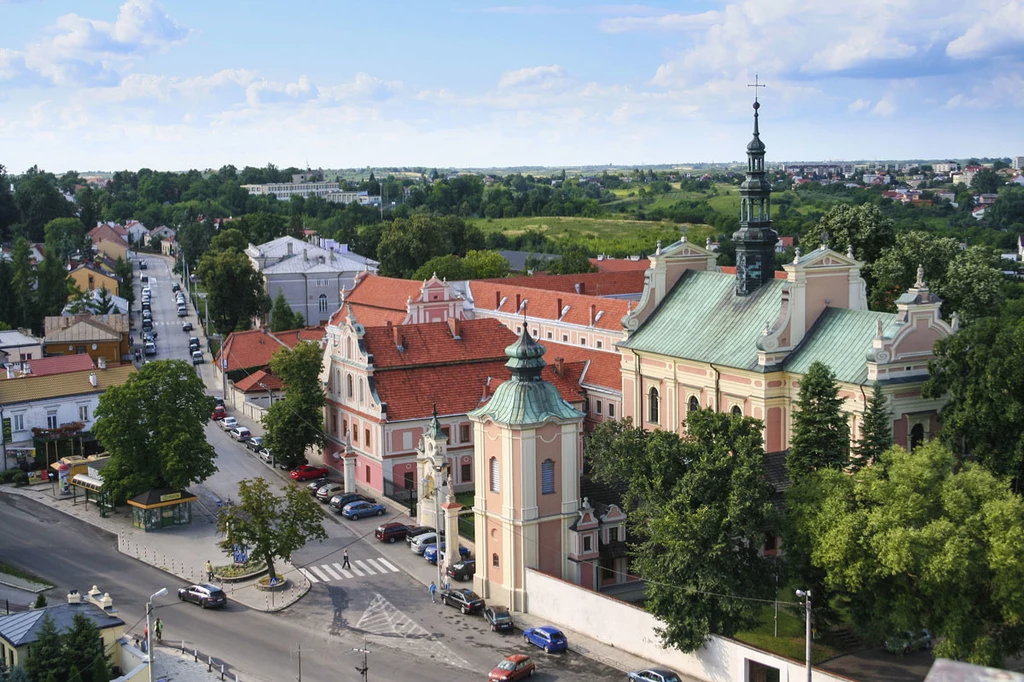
(404, 496)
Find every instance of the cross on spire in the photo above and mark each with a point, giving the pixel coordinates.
(756, 85)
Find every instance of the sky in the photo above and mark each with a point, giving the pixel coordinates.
(108, 85)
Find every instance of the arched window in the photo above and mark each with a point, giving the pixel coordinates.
(547, 477)
(737, 411)
(653, 406)
(348, 385)
(916, 437)
(694, 404)
(323, 303)
(495, 482)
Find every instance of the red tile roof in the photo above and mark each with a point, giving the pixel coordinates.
(608, 312)
(602, 371)
(371, 316)
(620, 264)
(251, 383)
(58, 364)
(433, 343)
(255, 347)
(108, 233)
(373, 292)
(292, 337)
(591, 283)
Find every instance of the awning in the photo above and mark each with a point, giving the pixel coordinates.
(87, 481)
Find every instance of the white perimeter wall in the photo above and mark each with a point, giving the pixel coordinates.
(633, 630)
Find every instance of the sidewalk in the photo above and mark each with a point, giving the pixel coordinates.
(181, 552)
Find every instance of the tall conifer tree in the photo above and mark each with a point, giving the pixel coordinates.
(821, 434)
(876, 432)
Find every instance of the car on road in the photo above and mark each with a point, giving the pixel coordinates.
(905, 642)
(207, 596)
(240, 434)
(266, 456)
(547, 637)
(182, 311)
(339, 501)
(228, 423)
(186, 327)
(416, 531)
(145, 279)
(218, 413)
(499, 618)
(149, 348)
(306, 472)
(324, 494)
(143, 265)
(359, 510)
(654, 675)
(147, 325)
(217, 400)
(193, 343)
(465, 600)
(390, 532)
(512, 669)
(176, 287)
(463, 570)
(431, 553)
(255, 443)
(197, 357)
(421, 542)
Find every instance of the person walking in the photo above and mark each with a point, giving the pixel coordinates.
(209, 571)
(433, 592)
(447, 584)
(344, 560)
(158, 629)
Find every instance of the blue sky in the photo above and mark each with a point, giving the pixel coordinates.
(109, 85)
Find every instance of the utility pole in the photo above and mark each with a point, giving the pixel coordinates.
(364, 671)
(806, 594)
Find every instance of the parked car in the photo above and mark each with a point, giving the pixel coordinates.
(306, 472)
(421, 542)
(266, 456)
(314, 487)
(144, 279)
(547, 637)
(240, 434)
(147, 325)
(338, 502)
(193, 343)
(416, 531)
(359, 510)
(465, 600)
(654, 675)
(218, 413)
(905, 642)
(431, 553)
(186, 327)
(176, 287)
(143, 265)
(197, 357)
(255, 443)
(182, 311)
(149, 348)
(499, 618)
(228, 423)
(207, 596)
(513, 668)
(390, 532)
(325, 493)
(462, 570)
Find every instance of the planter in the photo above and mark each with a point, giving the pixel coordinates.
(263, 584)
(237, 573)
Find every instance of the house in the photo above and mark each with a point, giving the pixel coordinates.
(18, 346)
(605, 264)
(19, 631)
(110, 241)
(102, 337)
(161, 233)
(310, 277)
(118, 305)
(136, 231)
(168, 245)
(625, 284)
(517, 260)
(90, 277)
(262, 388)
(784, 243)
(41, 367)
(247, 352)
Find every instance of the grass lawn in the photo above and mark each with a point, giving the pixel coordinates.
(19, 573)
(791, 639)
(557, 227)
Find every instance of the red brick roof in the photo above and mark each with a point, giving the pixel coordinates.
(372, 316)
(251, 383)
(58, 364)
(590, 283)
(255, 347)
(608, 312)
(433, 343)
(602, 371)
(620, 264)
(108, 233)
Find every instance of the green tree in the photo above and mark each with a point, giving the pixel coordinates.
(88, 207)
(47, 657)
(103, 304)
(51, 286)
(875, 433)
(821, 433)
(281, 315)
(40, 602)
(153, 428)
(972, 285)
(9, 213)
(235, 289)
(487, 264)
(193, 240)
(574, 260)
(82, 642)
(407, 243)
(896, 270)
(229, 239)
(986, 181)
(17, 674)
(23, 284)
(912, 544)
(126, 276)
(699, 509)
(65, 237)
(295, 422)
(39, 201)
(864, 227)
(271, 526)
(449, 267)
(74, 674)
(100, 669)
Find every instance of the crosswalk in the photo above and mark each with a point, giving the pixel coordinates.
(357, 568)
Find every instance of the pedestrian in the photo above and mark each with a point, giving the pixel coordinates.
(344, 560)
(433, 592)
(447, 584)
(158, 630)
(209, 571)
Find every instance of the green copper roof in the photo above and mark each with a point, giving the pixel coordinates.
(841, 339)
(525, 357)
(703, 319)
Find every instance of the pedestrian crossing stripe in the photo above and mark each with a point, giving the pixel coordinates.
(325, 573)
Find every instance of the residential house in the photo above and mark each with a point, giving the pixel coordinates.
(136, 231)
(90, 277)
(168, 245)
(118, 305)
(161, 233)
(18, 346)
(625, 284)
(311, 277)
(517, 260)
(110, 241)
(102, 337)
(247, 352)
(42, 367)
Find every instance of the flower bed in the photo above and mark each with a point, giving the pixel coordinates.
(236, 572)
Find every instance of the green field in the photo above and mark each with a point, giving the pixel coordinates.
(791, 640)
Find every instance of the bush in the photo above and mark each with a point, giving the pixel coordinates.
(15, 476)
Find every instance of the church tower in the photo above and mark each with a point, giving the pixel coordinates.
(755, 240)
(528, 443)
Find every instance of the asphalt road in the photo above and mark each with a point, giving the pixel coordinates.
(171, 342)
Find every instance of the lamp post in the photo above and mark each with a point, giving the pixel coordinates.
(149, 627)
(206, 310)
(806, 594)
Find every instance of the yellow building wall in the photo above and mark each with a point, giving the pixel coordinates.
(86, 280)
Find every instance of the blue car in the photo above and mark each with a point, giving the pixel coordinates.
(358, 510)
(547, 637)
(430, 552)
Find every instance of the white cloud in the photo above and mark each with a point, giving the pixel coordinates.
(364, 86)
(152, 87)
(884, 107)
(531, 76)
(1004, 90)
(862, 45)
(664, 22)
(12, 64)
(996, 28)
(859, 105)
(269, 92)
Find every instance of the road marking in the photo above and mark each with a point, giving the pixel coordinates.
(381, 622)
(330, 571)
(388, 564)
(363, 566)
(376, 565)
(356, 570)
(320, 574)
(342, 570)
(310, 576)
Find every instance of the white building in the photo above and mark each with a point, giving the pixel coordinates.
(1018, 162)
(945, 167)
(286, 190)
(18, 345)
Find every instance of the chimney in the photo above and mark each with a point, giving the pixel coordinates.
(559, 366)
(289, 248)
(583, 287)
(92, 379)
(74, 597)
(399, 338)
(10, 371)
(455, 328)
(497, 299)
(518, 303)
(558, 310)
(593, 313)
(387, 323)
(102, 363)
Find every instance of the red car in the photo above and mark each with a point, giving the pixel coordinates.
(307, 471)
(514, 667)
(218, 413)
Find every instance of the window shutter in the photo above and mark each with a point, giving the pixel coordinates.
(494, 475)
(547, 476)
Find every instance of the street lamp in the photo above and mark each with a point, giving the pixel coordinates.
(149, 627)
(806, 594)
(206, 309)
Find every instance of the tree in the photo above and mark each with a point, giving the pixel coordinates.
(229, 239)
(896, 270)
(126, 275)
(281, 315)
(88, 207)
(271, 526)
(235, 289)
(574, 260)
(83, 642)
(152, 426)
(39, 201)
(295, 422)
(9, 213)
(986, 181)
(193, 240)
(487, 264)
(100, 669)
(407, 243)
(52, 286)
(875, 433)
(23, 283)
(699, 509)
(864, 227)
(17, 674)
(821, 433)
(912, 543)
(47, 653)
(972, 285)
(40, 602)
(74, 674)
(449, 267)
(65, 237)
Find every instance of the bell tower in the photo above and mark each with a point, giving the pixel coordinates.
(755, 240)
